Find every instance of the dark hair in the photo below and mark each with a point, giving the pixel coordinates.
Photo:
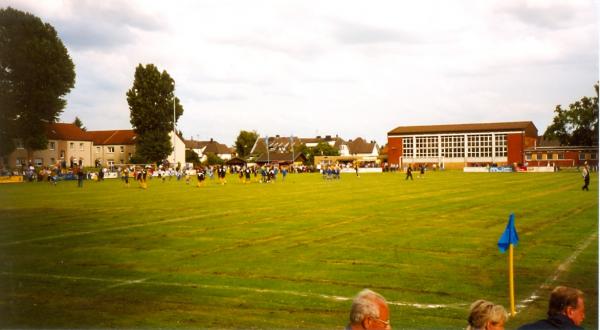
(561, 298)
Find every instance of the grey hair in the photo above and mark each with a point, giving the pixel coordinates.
(365, 305)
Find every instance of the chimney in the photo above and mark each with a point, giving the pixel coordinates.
(211, 140)
(277, 135)
(318, 136)
(328, 137)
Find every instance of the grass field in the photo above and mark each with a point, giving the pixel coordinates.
(292, 254)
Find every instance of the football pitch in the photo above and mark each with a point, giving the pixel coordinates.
(291, 254)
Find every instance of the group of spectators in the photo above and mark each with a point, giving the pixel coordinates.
(566, 310)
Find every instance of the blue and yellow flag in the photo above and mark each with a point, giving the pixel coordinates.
(509, 236)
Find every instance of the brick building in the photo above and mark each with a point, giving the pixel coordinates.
(461, 145)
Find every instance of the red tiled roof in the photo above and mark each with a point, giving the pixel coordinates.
(118, 137)
(192, 144)
(526, 126)
(217, 148)
(211, 146)
(66, 131)
(360, 146)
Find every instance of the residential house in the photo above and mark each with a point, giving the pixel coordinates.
(66, 142)
(202, 148)
(284, 144)
(281, 158)
(114, 147)
(364, 151)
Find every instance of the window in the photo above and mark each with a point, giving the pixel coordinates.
(500, 141)
(38, 161)
(453, 146)
(97, 150)
(51, 145)
(407, 147)
(122, 148)
(81, 146)
(561, 155)
(71, 145)
(581, 156)
(121, 161)
(52, 161)
(544, 156)
(594, 156)
(528, 156)
(534, 157)
(554, 156)
(479, 145)
(427, 146)
(110, 149)
(20, 161)
(110, 162)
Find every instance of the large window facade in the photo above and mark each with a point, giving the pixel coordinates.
(427, 146)
(479, 146)
(483, 145)
(453, 146)
(407, 147)
(500, 145)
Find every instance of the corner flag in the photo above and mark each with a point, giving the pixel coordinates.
(509, 236)
(507, 241)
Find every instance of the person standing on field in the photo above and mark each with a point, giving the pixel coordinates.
(585, 172)
(409, 173)
(80, 175)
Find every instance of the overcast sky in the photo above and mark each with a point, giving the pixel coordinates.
(312, 68)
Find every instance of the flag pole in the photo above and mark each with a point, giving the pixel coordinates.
(174, 132)
(511, 280)
(507, 242)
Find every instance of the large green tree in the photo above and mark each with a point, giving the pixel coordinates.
(36, 73)
(578, 125)
(151, 112)
(244, 142)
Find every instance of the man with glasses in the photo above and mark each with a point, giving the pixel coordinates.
(369, 311)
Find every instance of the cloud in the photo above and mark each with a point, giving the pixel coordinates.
(351, 68)
(543, 14)
(352, 33)
(88, 24)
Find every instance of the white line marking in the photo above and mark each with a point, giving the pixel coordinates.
(127, 283)
(121, 282)
(561, 268)
(81, 233)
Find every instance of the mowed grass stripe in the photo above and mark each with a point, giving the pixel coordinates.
(429, 241)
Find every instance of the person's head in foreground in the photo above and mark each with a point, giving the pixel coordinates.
(566, 310)
(486, 315)
(369, 311)
(568, 302)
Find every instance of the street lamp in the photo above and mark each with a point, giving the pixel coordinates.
(174, 132)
